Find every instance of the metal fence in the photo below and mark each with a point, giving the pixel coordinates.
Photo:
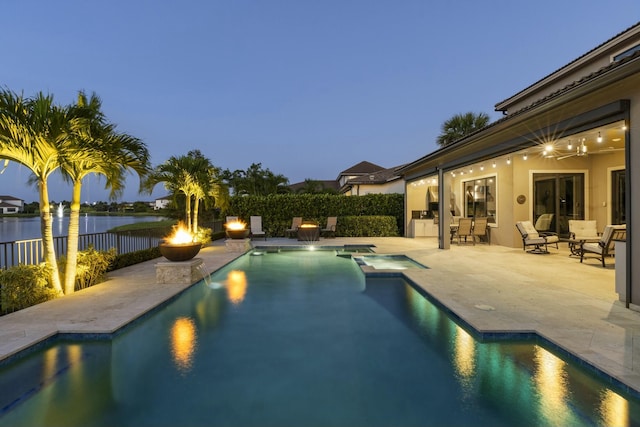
(30, 251)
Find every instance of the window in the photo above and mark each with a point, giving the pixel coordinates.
(480, 198)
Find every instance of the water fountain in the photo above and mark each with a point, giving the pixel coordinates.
(60, 210)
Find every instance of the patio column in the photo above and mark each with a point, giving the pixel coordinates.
(444, 195)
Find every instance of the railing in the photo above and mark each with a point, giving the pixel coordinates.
(30, 251)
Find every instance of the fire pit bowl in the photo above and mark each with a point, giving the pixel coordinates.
(179, 251)
(237, 234)
(309, 231)
(237, 229)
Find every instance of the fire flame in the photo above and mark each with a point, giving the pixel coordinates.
(236, 225)
(180, 236)
(308, 226)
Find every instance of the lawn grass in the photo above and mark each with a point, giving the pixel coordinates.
(167, 223)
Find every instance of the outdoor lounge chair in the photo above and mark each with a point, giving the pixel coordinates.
(605, 246)
(295, 224)
(465, 229)
(256, 228)
(531, 237)
(480, 229)
(330, 229)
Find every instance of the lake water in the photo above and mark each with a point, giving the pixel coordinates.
(12, 229)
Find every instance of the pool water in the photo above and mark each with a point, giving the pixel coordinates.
(388, 262)
(302, 339)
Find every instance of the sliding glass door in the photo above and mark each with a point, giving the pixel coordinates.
(559, 197)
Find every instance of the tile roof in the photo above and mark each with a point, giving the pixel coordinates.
(570, 63)
(379, 177)
(362, 168)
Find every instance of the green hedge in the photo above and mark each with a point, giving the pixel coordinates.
(22, 286)
(277, 210)
(131, 258)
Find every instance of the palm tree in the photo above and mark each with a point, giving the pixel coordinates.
(192, 175)
(461, 125)
(255, 181)
(95, 148)
(33, 132)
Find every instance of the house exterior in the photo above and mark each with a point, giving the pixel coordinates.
(10, 204)
(161, 203)
(361, 179)
(566, 146)
(376, 180)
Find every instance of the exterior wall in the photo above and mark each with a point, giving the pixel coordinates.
(633, 179)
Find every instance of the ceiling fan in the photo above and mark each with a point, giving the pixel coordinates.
(581, 150)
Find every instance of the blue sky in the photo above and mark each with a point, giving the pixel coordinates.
(307, 88)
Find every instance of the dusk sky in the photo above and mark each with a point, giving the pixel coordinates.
(307, 88)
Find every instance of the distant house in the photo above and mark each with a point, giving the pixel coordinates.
(361, 179)
(368, 178)
(10, 204)
(161, 203)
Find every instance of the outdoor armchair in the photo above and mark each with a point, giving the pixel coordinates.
(531, 238)
(605, 246)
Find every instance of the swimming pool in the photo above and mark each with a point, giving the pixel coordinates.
(302, 338)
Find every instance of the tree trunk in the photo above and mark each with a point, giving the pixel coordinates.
(72, 241)
(46, 229)
(188, 211)
(196, 203)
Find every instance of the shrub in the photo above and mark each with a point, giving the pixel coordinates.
(131, 258)
(203, 235)
(367, 226)
(91, 266)
(23, 286)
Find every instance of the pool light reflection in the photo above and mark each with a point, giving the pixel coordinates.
(183, 343)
